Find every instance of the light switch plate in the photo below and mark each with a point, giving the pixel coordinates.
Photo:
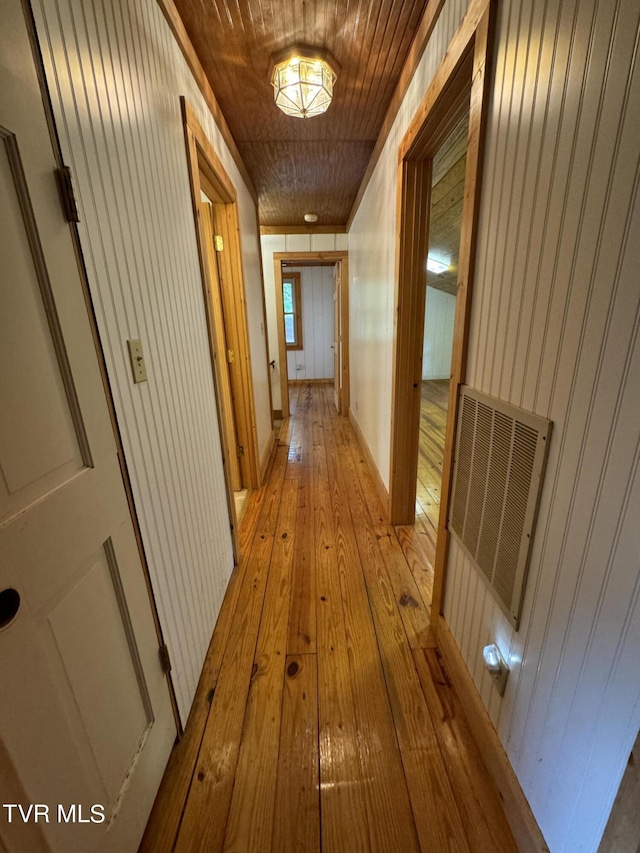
(136, 357)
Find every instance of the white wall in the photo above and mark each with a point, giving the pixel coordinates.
(115, 74)
(288, 243)
(315, 359)
(554, 329)
(440, 312)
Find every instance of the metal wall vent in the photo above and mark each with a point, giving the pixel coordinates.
(499, 464)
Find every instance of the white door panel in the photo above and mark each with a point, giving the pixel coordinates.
(85, 714)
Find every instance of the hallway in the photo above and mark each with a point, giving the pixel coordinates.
(324, 718)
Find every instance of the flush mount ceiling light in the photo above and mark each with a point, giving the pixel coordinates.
(311, 217)
(302, 80)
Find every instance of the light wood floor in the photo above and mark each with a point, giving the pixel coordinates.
(324, 719)
(433, 421)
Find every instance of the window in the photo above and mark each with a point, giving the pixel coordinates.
(292, 310)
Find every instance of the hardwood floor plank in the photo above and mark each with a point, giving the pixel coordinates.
(477, 798)
(419, 552)
(414, 609)
(164, 821)
(434, 808)
(391, 824)
(302, 623)
(433, 423)
(344, 818)
(205, 816)
(297, 812)
(250, 823)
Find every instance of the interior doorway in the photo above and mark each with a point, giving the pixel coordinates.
(312, 305)
(216, 215)
(432, 196)
(445, 223)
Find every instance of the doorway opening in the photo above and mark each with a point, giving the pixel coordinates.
(439, 183)
(445, 222)
(216, 215)
(312, 304)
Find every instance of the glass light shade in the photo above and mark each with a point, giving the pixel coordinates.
(303, 87)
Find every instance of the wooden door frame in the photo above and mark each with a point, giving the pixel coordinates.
(207, 173)
(312, 259)
(460, 83)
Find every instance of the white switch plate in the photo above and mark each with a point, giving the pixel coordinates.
(137, 361)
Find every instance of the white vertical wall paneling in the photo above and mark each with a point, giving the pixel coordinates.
(439, 317)
(315, 359)
(289, 243)
(554, 329)
(115, 74)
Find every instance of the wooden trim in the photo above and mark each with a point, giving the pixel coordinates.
(282, 347)
(303, 259)
(345, 401)
(383, 494)
(207, 288)
(414, 180)
(184, 43)
(418, 45)
(222, 191)
(471, 205)
(267, 453)
(516, 808)
(224, 394)
(306, 257)
(298, 309)
(303, 229)
(235, 311)
(265, 325)
(460, 80)
(314, 381)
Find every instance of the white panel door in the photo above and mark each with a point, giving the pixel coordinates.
(86, 724)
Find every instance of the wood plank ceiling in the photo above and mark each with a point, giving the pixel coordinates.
(447, 196)
(303, 165)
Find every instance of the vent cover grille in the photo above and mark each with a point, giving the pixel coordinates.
(500, 456)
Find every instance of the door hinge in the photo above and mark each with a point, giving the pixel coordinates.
(230, 356)
(165, 660)
(67, 195)
(218, 243)
(240, 450)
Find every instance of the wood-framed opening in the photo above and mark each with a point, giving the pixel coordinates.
(293, 340)
(214, 200)
(460, 85)
(340, 262)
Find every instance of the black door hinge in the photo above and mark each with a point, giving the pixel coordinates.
(67, 195)
(165, 660)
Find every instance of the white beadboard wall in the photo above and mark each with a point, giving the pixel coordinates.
(315, 359)
(439, 314)
(115, 74)
(288, 243)
(554, 329)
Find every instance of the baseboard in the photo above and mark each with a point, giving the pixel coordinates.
(517, 810)
(307, 381)
(266, 456)
(383, 494)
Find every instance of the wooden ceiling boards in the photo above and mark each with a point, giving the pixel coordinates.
(304, 165)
